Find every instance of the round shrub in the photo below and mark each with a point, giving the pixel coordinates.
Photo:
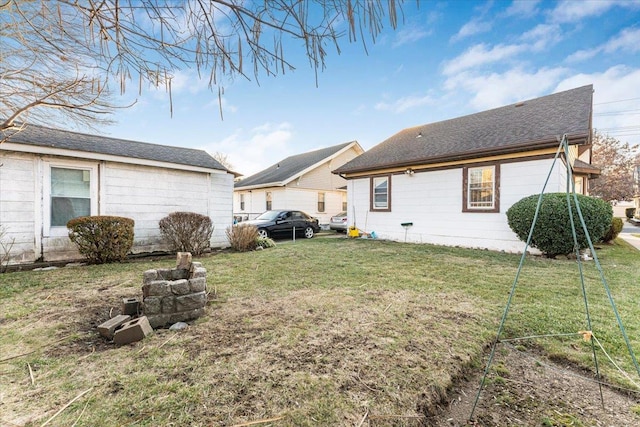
(187, 232)
(614, 230)
(102, 239)
(552, 234)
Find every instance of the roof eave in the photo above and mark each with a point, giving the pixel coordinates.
(574, 139)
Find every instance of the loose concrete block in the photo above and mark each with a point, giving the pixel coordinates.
(164, 273)
(131, 306)
(180, 287)
(183, 260)
(108, 328)
(132, 331)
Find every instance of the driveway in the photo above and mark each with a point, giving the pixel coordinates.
(626, 234)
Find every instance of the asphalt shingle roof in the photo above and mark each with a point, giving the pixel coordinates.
(41, 136)
(527, 125)
(290, 167)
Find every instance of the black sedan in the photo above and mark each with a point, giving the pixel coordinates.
(283, 223)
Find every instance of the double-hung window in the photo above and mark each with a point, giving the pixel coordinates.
(381, 193)
(70, 192)
(480, 193)
(241, 201)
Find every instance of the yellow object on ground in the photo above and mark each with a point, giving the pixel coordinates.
(354, 232)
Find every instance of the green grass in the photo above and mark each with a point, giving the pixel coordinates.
(318, 332)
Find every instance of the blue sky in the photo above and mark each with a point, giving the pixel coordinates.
(446, 59)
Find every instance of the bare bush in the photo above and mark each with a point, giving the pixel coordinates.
(243, 237)
(187, 232)
(5, 249)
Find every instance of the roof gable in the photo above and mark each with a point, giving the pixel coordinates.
(518, 127)
(288, 169)
(40, 136)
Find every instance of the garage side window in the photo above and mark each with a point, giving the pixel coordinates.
(70, 195)
(268, 198)
(380, 193)
(241, 201)
(480, 192)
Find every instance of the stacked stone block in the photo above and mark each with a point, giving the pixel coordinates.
(174, 295)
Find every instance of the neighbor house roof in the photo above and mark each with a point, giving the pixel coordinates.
(292, 167)
(35, 138)
(528, 125)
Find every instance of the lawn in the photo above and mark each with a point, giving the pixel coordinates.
(313, 332)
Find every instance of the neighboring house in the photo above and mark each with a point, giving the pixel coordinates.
(49, 176)
(451, 182)
(303, 182)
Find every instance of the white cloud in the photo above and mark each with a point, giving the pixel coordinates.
(410, 34)
(543, 36)
(473, 27)
(252, 151)
(522, 8)
(583, 55)
(626, 41)
(405, 103)
(616, 92)
(498, 89)
(570, 11)
(480, 54)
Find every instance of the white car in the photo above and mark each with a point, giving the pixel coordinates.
(339, 222)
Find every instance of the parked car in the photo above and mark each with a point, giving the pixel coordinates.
(339, 222)
(276, 223)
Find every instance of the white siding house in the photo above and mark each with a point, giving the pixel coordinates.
(302, 182)
(452, 182)
(48, 176)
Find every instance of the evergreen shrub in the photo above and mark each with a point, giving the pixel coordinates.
(552, 234)
(102, 239)
(614, 230)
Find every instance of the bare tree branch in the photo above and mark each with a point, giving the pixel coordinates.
(66, 56)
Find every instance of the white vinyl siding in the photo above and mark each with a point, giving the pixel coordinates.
(432, 201)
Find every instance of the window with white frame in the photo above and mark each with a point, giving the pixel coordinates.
(381, 193)
(344, 202)
(70, 195)
(321, 202)
(70, 191)
(241, 201)
(480, 192)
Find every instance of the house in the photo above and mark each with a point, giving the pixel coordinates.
(48, 176)
(452, 182)
(302, 182)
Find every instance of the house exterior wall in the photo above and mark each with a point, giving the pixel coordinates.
(321, 177)
(144, 193)
(18, 206)
(432, 201)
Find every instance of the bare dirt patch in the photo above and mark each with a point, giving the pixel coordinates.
(524, 388)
